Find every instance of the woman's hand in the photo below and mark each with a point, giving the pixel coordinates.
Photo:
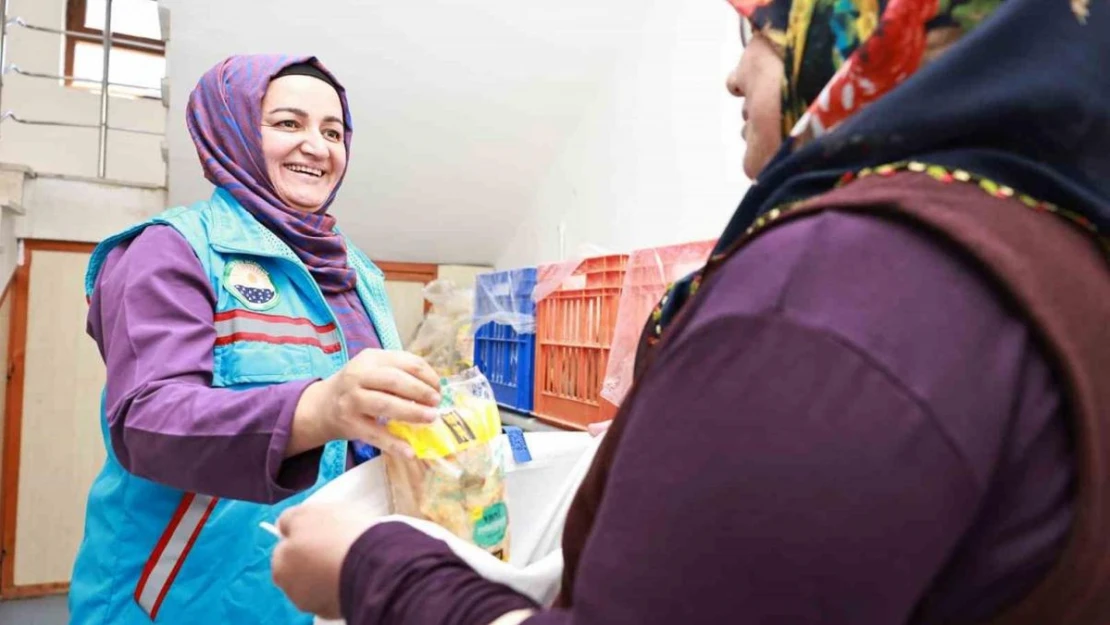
(597, 429)
(308, 561)
(391, 385)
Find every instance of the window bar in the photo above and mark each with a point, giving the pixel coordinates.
(32, 122)
(22, 23)
(22, 72)
(102, 160)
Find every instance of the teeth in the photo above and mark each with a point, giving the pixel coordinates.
(305, 170)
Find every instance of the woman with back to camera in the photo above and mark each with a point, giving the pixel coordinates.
(884, 400)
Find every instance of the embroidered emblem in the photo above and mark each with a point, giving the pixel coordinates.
(250, 284)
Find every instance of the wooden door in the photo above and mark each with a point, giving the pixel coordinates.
(52, 441)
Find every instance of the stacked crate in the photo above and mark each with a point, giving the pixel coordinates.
(505, 356)
(574, 330)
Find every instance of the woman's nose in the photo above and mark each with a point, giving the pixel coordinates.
(314, 145)
(732, 83)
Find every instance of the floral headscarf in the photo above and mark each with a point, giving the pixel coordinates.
(1014, 91)
(841, 55)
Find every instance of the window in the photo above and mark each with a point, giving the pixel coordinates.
(133, 64)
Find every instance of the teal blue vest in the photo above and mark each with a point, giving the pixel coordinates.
(153, 553)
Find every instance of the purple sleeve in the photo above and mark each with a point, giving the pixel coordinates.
(395, 574)
(785, 485)
(151, 315)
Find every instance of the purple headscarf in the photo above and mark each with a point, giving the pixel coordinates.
(224, 117)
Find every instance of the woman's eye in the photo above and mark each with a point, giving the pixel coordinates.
(747, 32)
(287, 123)
(333, 135)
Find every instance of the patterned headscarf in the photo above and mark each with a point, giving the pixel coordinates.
(1016, 94)
(224, 117)
(834, 66)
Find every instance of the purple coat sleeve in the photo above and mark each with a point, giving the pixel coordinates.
(814, 447)
(151, 315)
(395, 574)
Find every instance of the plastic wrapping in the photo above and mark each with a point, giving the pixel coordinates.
(505, 334)
(505, 297)
(457, 479)
(646, 279)
(444, 338)
(540, 491)
(560, 275)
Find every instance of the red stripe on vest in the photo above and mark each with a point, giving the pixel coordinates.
(162, 542)
(247, 314)
(277, 340)
(181, 560)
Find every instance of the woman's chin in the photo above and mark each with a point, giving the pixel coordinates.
(756, 160)
(303, 202)
(750, 170)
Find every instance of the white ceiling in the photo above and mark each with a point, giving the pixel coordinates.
(459, 106)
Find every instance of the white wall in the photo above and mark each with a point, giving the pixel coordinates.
(478, 122)
(12, 184)
(658, 158)
(83, 209)
(131, 157)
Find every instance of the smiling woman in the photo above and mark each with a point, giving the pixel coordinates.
(252, 291)
(302, 138)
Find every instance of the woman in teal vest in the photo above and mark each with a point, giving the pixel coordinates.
(246, 342)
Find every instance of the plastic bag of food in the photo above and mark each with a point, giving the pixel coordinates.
(457, 479)
(444, 336)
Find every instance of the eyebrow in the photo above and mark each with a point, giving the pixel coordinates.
(302, 113)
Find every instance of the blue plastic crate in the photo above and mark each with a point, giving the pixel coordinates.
(504, 356)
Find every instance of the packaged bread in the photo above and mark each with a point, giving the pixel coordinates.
(457, 478)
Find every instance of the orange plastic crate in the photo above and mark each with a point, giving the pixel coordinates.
(574, 329)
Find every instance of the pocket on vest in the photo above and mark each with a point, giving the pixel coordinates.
(261, 348)
(249, 362)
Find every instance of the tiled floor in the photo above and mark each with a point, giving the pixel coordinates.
(48, 611)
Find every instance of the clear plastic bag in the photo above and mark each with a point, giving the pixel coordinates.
(648, 275)
(457, 479)
(560, 275)
(505, 297)
(444, 337)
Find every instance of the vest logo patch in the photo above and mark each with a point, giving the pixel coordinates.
(249, 283)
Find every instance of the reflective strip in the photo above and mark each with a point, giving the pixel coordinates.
(171, 551)
(245, 325)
